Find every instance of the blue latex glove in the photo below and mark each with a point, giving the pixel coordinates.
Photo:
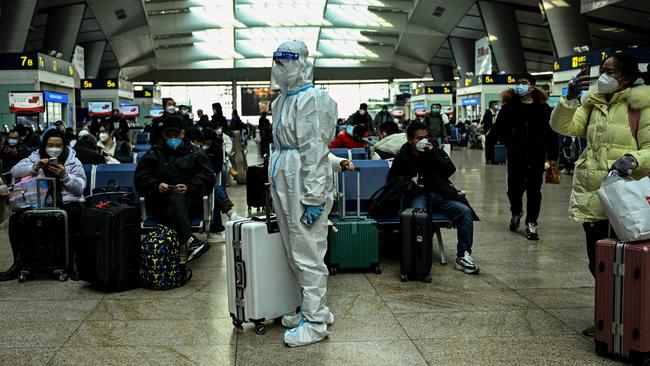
(312, 213)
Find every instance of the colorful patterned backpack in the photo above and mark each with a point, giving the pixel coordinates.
(161, 267)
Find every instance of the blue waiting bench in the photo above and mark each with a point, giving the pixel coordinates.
(373, 177)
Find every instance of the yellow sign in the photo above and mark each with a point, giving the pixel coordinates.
(489, 80)
(110, 84)
(26, 61)
(71, 70)
(468, 82)
(87, 84)
(511, 79)
(446, 90)
(577, 61)
(147, 93)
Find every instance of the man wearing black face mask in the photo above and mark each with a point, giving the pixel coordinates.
(523, 125)
(174, 175)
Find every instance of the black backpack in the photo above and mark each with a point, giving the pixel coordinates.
(389, 199)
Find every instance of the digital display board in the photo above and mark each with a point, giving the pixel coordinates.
(26, 102)
(130, 111)
(254, 101)
(100, 108)
(429, 90)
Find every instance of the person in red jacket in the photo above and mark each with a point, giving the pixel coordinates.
(350, 138)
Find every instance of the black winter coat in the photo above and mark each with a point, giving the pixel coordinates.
(434, 166)
(87, 153)
(525, 130)
(188, 165)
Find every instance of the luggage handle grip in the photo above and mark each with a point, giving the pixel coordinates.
(240, 275)
(343, 213)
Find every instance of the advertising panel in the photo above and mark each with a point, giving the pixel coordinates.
(26, 102)
(100, 108)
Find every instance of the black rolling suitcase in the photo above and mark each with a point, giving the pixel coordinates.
(41, 238)
(417, 245)
(109, 255)
(256, 179)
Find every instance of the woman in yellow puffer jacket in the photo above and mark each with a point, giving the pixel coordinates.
(602, 117)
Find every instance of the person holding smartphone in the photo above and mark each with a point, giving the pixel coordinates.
(601, 116)
(56, 160)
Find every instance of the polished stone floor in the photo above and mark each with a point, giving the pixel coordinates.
(527, 306)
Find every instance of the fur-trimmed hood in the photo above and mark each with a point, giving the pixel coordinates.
(509, 95)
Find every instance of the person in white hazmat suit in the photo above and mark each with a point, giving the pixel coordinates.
(302, 185)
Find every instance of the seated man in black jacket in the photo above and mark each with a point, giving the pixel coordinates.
(174, 176)
(430, 168)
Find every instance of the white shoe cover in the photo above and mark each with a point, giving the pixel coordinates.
(305, 333)
(293, 320)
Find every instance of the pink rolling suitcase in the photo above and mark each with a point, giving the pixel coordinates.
(622, 315)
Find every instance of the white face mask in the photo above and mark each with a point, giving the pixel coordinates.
(103, 137)
(362, 112)
(421, 145)
(219, 131)
(171, 109)
(607, 84)
(396, 120)
(53, 152)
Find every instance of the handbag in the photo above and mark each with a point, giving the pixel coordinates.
(32, 192)
(627, 204)
(112, 189)
(553, 175)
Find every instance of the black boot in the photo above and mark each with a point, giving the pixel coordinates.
(10, 274)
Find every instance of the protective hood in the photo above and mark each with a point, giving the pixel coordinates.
(291, 69)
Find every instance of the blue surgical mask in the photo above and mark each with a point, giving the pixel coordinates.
(174, 143)
(435, 110)
(521, 90)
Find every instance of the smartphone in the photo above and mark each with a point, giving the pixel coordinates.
(172, 186)
(54, 161)
(303, 219)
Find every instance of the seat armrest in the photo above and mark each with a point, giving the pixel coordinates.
(207, 211)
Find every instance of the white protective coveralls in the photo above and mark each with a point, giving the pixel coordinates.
(301, 174)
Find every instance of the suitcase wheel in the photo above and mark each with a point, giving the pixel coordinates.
(63, 277)
(403, 278)
(236, 322)
(333, 271)
(260, 328)
(22, 277)
(377, 269)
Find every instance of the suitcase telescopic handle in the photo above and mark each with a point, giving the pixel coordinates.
(343, 213)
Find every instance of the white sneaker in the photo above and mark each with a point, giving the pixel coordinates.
(466, 264)
(216, 237)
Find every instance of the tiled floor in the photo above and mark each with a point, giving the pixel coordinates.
(527, 306)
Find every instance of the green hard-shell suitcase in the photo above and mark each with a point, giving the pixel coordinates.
(353, 242)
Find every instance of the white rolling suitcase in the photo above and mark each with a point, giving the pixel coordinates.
(261, 285)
